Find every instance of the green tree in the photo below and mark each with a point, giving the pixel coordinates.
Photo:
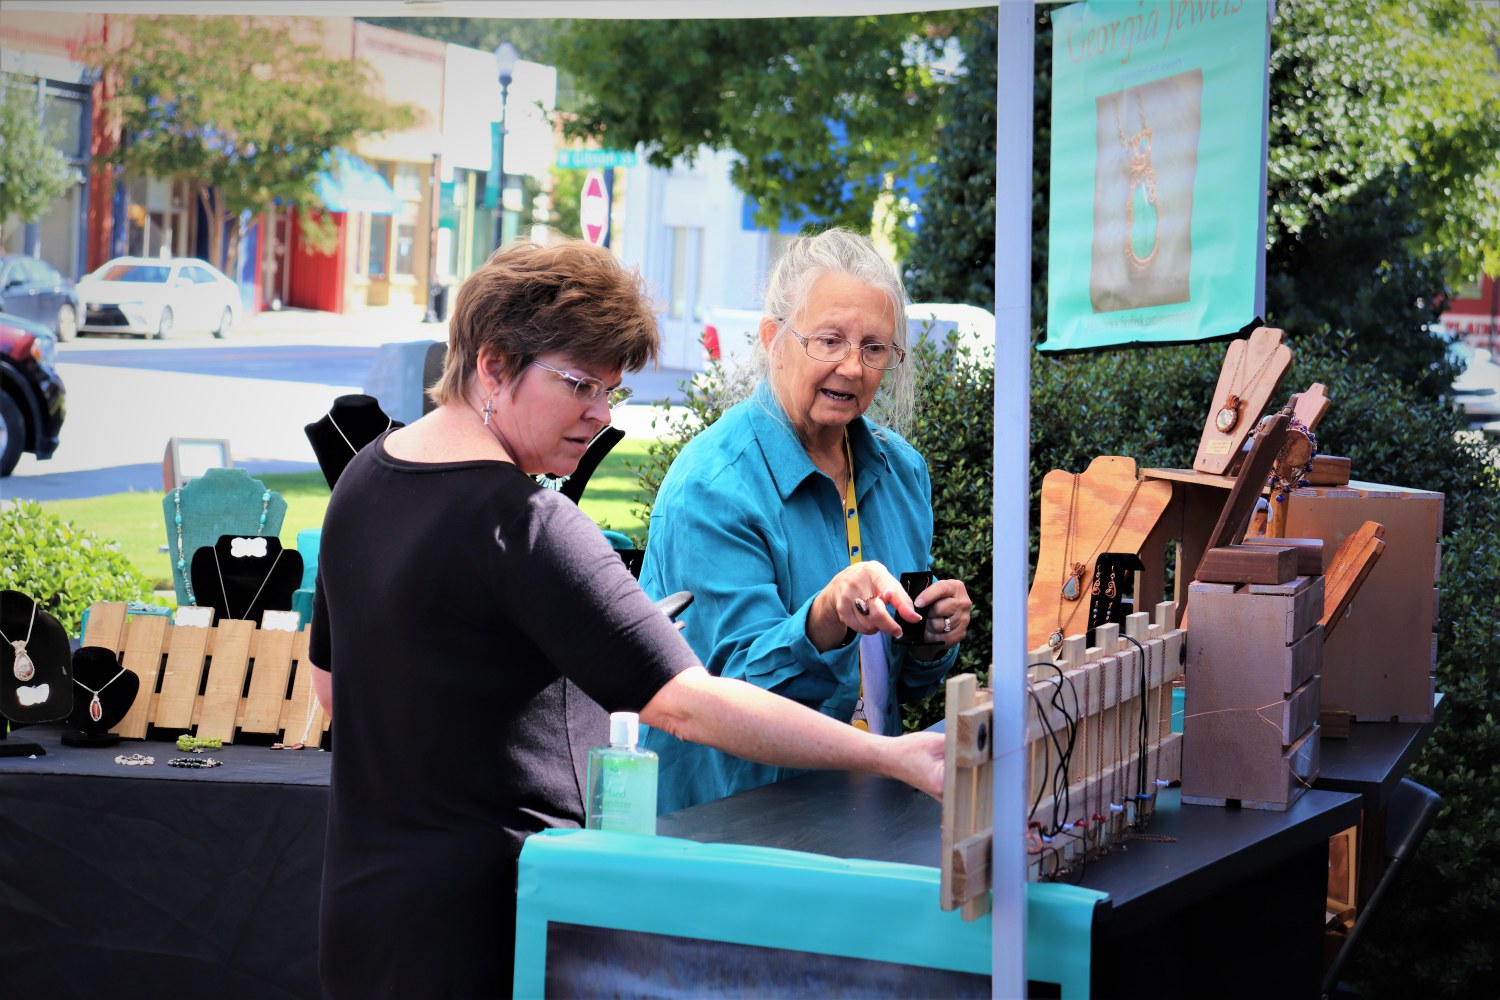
(241, 108)
(823, 112)
(33, 171)
(957, 262)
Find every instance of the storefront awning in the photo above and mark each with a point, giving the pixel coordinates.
(352, 185)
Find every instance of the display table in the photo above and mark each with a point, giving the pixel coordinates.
(131, 881)
(1227, 885)
(206, 881)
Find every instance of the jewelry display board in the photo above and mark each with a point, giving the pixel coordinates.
(220, 502)
(251, 680)
(35, 680)
(1099, 740)
(1106, 508)
(352, 422)
(1252, 371)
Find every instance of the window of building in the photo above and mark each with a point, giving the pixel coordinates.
(686, 273)
(379, 245)
(406, 240)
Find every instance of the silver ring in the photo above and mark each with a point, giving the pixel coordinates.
(947, 624)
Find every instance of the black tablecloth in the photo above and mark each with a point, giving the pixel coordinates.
(157, 881)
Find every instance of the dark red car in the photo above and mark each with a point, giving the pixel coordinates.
(31, 394)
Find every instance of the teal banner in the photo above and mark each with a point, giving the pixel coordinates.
(1157, 200)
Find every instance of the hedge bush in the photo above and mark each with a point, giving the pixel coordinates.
(64, 568)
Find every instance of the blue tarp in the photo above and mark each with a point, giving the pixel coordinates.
(352, 185)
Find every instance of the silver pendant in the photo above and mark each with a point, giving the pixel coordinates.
(96, 710)
(24, 669)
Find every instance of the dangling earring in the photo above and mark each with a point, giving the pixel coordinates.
(489, 408)
(1096, 583)
(1110, 590)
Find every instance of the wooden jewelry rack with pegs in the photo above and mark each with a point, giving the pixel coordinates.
(1099, 740)
(252, 680)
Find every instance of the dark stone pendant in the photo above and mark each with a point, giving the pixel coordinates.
(1072, 587)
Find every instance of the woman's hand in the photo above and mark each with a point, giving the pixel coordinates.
(856, 598)
(948, 610)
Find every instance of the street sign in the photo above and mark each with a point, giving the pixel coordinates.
(590, 159)
(593, 208)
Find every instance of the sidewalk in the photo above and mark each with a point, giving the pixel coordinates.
(120, 418)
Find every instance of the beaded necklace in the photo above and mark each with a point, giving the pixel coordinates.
(182, 566)
(23, 668)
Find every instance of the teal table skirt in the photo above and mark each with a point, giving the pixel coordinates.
(630, 915)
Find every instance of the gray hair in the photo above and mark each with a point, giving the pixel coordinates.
(808, 258)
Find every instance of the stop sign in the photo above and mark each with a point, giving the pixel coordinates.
(593, 208)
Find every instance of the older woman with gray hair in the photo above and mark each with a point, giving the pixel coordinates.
(791, 517)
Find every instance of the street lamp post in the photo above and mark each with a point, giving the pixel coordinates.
(506, 58)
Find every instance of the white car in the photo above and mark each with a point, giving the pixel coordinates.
(156, 297)
(729, 335)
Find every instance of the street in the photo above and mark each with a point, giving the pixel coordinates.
(126, 398)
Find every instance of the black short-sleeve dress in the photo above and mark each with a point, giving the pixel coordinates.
(478, 628)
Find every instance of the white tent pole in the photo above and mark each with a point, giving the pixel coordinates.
(1017, 30)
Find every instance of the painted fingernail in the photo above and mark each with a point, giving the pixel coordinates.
(861, 606)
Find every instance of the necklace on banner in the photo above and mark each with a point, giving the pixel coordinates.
(1074, 572)
(1141, 176)
(1228, 416)
(96, 710)
(23, 668)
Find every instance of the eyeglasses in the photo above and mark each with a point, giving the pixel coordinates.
(824, 347)
(589, 389)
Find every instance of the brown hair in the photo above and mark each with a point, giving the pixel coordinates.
(528, 300)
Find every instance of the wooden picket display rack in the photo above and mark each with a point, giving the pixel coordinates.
(1109, 746)
(229, 678)
(1108, 750)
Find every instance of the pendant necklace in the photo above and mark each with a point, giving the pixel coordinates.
(23, 668)
(225, 591)
(1228, 416)
(1073, 572)
(96, 710)
(182, 566)
(389, 423)
(1140, 174)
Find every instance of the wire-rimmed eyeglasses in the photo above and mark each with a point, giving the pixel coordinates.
(826, 347)
(588, 389)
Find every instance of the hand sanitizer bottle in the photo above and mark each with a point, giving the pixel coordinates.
(622, 780)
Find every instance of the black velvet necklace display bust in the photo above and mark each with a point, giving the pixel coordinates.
(351, 423)
(96, 669)
(47, 695)
(244, 577)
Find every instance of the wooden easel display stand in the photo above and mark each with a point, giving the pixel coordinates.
(1252, 371)
(1103, 489)
(252, 680)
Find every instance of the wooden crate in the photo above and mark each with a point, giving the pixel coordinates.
(218, 682)
(1378, 663)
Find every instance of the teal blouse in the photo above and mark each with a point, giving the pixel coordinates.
(746, 522)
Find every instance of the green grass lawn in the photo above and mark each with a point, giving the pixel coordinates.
(137, 521)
